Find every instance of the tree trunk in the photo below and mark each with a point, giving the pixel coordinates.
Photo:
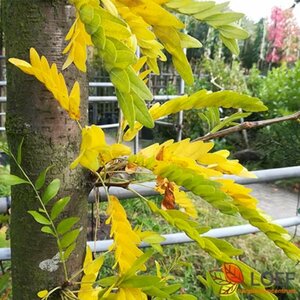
(50, 138)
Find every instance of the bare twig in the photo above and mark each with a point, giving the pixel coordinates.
(213, 81)
(247, 125)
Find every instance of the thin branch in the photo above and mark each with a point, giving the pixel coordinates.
(248, 125)
(213, 81)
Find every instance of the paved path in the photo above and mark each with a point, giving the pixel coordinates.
(276, 202)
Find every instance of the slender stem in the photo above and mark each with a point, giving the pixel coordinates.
(138, 194)
(97, 216)
(79, 125)
(103, 184)
(247, 125)
(120, 128)
(47, 215)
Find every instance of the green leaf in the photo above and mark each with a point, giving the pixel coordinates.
(51, 191)
(69, 238)
(108, 281)
(142, 281)
(41, 178)
(155, 292)
(223, 18)
(233, 32)
(68, 251)
(231, 44)
(141, 110)
(193, 7)
(170, 289)
(66, 225)
(9, 179)
(59, 207)
(127, 107)
(139, 262)
(47, 229)
(138, 85)
(226, 247)
(4, 283)
(228, 99)
(39, 217)
(86, 13)
(203, 281)
(120, 80)
(19, 155)
(211, 11)
(183, 297)
(227, 121)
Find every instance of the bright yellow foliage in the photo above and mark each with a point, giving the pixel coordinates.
(125, 239)
(130, 294)
(151, 49)
(53, 80)
(199, 100)
(193, 155)
(148, 21)
(90, 269)
(95, 152)
(42, 294)
(79, 40)
(238, 192)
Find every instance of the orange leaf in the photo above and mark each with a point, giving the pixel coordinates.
(131, 168)
(160, 154)
(233, 273)
(169, 199)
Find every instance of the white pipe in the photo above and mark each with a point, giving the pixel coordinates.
(147, 188)
(180, 238)
(100, 84)
(91, 84)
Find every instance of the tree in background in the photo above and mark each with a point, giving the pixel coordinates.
(283, 37)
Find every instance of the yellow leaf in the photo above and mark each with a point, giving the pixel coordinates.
(109, 5)
(22, 64)
(74, 102)
(53, 81)
(42, 294)
(131, 294)
(94, 152)
(182, 199)
(79, 40)
(92, 141)
(125, 239)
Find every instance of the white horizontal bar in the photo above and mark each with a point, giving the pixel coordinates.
(107, 126)
(148, 188)
(180, 238)
(91, 84)
(100, 84)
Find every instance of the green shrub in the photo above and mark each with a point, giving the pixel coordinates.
(278, 145)
(281, 89)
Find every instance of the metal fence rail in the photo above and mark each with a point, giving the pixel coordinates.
(148, 188)
(178, 238)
